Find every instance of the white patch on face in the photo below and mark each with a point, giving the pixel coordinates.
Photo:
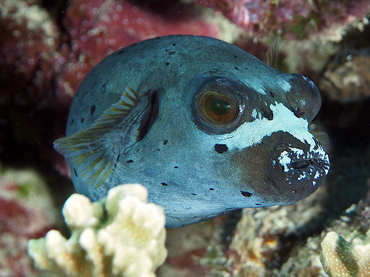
(258, 84)
(286, 86)
(303, 102)
(284, 160)
(252, 133)
(302, 176)
(297, 151)
(256, 114)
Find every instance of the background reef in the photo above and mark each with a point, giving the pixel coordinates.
(47, 47)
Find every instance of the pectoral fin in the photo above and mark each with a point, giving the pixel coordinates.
(88, 151)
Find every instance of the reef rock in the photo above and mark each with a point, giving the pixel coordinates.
(293, 18)
(346, 77)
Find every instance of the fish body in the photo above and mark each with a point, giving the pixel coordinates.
(206, 127)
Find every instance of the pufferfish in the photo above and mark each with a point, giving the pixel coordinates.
(206, 127)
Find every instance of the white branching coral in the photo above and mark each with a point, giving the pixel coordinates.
(121, 235)
(346, 259)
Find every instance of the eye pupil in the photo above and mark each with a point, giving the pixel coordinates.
(220, 107)
(216, 108)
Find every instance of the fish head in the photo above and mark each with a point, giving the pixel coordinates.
(266, 146)
(220, 145)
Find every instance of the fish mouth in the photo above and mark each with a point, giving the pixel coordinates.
(302, 164)
(311, 160)
(304, 167)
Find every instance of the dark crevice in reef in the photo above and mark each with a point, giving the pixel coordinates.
(57, 9)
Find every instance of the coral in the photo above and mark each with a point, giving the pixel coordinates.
(26, 212)
(121, 235)
(305, 263)
(346, 77)
(260, 238)
(342, 258)
(263, 235)
(295, 19)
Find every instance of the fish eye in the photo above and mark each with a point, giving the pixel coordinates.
(217, 108)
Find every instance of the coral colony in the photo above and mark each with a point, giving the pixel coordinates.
(121, 235)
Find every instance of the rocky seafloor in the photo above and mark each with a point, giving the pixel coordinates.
(47, 47)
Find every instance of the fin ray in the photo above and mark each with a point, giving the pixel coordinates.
(272, 54)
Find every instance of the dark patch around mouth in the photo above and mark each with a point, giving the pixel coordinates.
(260, 168)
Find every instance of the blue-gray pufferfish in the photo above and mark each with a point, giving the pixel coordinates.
(205, 126)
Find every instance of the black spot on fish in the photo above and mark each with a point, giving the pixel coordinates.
(82, 120)
(173, 52)
(120, 51)
(270, 115)
(236, 68)
(246, 193)
(180, 65)
(235, 56)
(173, 44)
(298, 113)
(175, 166)
(258, 204)
(165, 141)
(164, 184)
(211, 189)
(103, 88)
(74, 170)
(92, 109)
(221, 148)
(167, 63)
(72, 121)
(272, 95)
(193, 193)
(129, 161)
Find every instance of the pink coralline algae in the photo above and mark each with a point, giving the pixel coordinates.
(98, 27)
(21, 218)
(294, 18)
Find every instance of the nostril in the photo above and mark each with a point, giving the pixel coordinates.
(302, 164)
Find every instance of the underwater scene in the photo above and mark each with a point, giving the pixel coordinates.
(185, 138)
